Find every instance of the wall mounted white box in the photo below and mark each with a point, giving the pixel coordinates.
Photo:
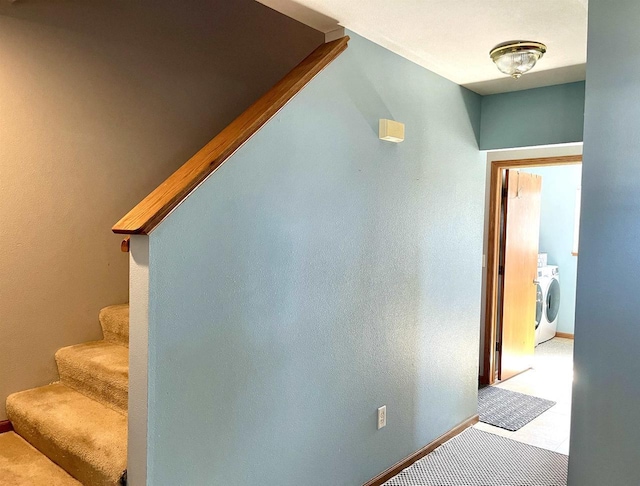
(391, 131)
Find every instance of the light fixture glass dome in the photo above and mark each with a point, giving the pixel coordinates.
(517, 57)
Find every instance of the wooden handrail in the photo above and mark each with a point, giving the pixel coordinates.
(156, 206)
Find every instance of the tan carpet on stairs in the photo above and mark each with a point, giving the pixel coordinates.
(83, 436)
(80, 423)
(99, 370)
(21, 464)
(115, 323)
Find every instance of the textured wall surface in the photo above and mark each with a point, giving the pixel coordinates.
(320, 274)
(541, 116)
(99, 102)
(557, 217)
(606, 392)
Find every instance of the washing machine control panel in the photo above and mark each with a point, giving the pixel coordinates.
(548, 271)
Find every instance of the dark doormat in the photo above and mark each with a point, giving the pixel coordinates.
(507, 409)
(477, 458)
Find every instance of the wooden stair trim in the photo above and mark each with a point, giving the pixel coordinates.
(5, 426)
(143, 218)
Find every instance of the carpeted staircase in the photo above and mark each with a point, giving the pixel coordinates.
(78, 423)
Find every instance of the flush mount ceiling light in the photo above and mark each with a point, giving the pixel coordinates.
(517, 57)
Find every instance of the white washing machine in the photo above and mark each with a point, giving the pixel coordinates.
(547, 303)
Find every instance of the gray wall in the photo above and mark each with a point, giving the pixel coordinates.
(541, 116)
(320, 274)
(99, 102)
(557, 218)
(605, 434)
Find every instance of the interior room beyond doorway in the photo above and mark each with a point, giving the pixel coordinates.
(511, 266)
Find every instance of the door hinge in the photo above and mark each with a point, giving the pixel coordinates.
(499, 347)
(500, 269)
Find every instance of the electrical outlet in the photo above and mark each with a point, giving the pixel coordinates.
(382, 416)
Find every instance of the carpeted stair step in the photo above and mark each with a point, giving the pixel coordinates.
(115, 323)
(22, 465)
(99, 370)
(84, 437)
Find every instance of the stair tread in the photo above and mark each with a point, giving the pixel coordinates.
(83, 436)
(98, 369)
(114, 320)
(23, 465)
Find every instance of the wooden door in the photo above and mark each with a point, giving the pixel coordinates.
(520, 266)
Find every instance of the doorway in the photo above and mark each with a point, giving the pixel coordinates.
(494, 344)
(530, 363)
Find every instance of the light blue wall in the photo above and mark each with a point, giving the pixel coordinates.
(605, 434)
(557, 217)
(317, 275)
(541, 116)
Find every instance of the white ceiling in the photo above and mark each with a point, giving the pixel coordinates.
(453, 37)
